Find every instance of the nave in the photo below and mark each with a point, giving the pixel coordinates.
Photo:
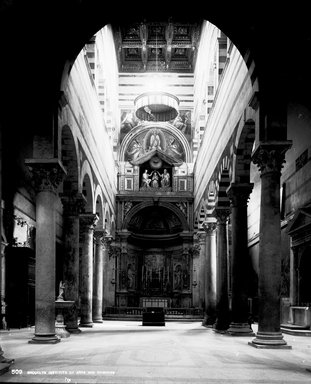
(128, 353)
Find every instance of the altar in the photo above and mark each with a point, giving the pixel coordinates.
(155, 302)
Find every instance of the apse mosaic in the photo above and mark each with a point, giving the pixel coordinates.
(155, 140)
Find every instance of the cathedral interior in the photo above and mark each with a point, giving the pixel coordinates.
(155, 160)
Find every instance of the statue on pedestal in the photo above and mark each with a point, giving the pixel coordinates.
(61, 291)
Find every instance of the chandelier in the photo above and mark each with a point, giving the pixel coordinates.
(156, 105)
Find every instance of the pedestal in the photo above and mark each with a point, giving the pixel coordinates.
(61, 307)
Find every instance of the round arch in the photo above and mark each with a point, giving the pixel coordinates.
(146, 204)
(69, 157)
(87, 186)
(99, 207)
(244, 146)
(107, 224)
(163, 126)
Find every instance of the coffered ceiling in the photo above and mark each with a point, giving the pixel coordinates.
(157, 46)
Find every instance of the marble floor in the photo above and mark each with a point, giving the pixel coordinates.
(127, 352)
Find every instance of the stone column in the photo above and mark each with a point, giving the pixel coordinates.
(210, 273)
(4, 362)
(239, 195)
(87, 224)
(109, 277)
(2, 284)
(72, 207)
(111, 255)
(294, 276)
(269, 157)
(222, 300)
(98, 277)
(195, 252)
(201, 268)
(46, 174)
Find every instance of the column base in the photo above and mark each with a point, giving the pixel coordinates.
(3, 360)
(269, 340)
(98, 320)
(240, 329)
(86, 325)
(208, 321)
(221, 326)
(74, 330)
(44, 338)
(61, 331)
(4, 367)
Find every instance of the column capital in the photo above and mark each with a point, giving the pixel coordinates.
(199, 237)
(114, 250)
(73, 204)
(99, 233)
(194, 250)
(107, 240)
(88, 220)
(99, 236)
(46, 174)
(238, 193)
(222, 214)
(209, 227)
(270, 156)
